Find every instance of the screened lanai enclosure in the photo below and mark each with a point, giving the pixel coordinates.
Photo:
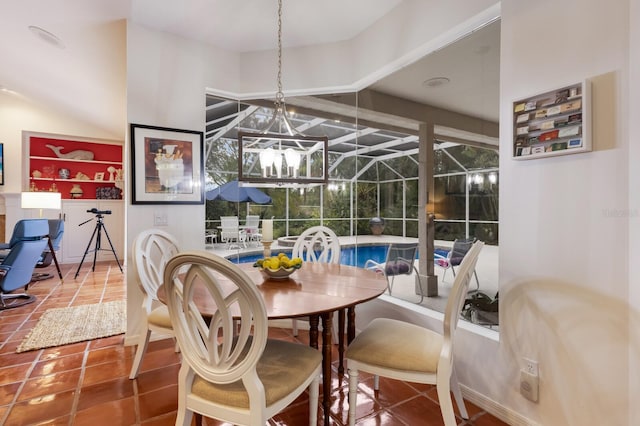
(373, 172)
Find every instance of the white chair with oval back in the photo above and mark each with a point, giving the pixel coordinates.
(317, 244)
(152, 249)
(403, 351)
(236, 375)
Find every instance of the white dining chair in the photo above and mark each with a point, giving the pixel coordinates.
(409, 352)
(235, 375)
(151, 251)
(317, 244)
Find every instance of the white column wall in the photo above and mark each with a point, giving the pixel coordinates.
(634, 206)
(166, 80)
(564, 219)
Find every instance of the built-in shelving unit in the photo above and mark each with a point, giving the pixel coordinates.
(75, 167)
(553, 123)
(92, 165)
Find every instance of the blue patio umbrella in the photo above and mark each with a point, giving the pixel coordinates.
(232, 191)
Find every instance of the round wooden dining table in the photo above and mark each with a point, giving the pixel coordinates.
(317, 290)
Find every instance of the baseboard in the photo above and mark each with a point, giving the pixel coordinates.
(492, 407)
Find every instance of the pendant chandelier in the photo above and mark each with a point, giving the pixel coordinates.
(279, 155)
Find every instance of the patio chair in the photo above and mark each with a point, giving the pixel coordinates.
(454, 258)
(400, 260)
(230, 232)
(409, 352)
(210, 236)
(252, 229)
(231, 371)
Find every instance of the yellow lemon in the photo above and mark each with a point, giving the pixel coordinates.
(274, 264)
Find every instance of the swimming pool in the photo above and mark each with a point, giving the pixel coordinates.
(349, 255)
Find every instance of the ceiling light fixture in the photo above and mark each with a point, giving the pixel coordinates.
(435, 82)
(46, 36)
(279, 144)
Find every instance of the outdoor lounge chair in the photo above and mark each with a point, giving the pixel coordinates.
(400, 260)
(455, 256)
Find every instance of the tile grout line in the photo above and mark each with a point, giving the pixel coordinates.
(76, 397)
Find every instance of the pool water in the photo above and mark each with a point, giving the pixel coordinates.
(352, 255)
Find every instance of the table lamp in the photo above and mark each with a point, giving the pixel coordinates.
(41, 200)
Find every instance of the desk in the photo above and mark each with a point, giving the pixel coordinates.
(315, 291)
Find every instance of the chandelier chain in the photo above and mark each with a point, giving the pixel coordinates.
(279, 94)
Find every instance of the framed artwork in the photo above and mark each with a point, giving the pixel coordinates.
(167, 165)
(98, 176)
(1, 164)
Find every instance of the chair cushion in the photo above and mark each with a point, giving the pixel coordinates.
(442, 262)
(396, 344)
(397, 268)
(455, 261)
(282, 368)
(160, 317)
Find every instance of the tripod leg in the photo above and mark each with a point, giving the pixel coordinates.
(112, 249)
(98, 246)
(86, 251)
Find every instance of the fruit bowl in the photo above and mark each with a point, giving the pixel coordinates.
(278, 274)
(278, 267)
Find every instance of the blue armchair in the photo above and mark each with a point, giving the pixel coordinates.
(27, 243)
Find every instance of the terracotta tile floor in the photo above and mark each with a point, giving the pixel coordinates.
(87, 383)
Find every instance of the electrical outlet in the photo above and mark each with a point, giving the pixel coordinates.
(529, 385)
(531, 366)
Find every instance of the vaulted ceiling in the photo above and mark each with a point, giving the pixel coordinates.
(60, 68)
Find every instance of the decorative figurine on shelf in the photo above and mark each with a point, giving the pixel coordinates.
(54, 187)
(64, 173)
(119, 181)
(81, 176)
(36, 174)
(78, 154)
(111, 171)
(76, 191)
(32, 187)
(49, 171)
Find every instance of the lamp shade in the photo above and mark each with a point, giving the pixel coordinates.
(41, 200)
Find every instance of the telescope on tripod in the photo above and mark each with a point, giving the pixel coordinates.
(97, 234)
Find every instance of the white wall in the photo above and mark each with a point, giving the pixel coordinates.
(166, 82)
(564, 219)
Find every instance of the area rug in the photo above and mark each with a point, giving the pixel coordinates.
(61, 326)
